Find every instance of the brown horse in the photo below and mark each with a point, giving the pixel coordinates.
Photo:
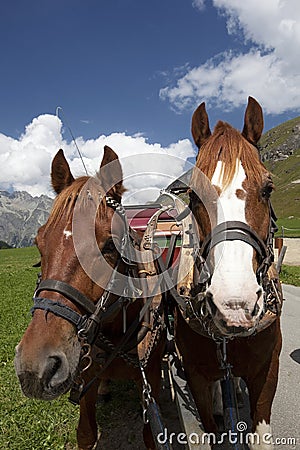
(80, 245)
(237, 292)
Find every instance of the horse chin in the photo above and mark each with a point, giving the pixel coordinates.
(34, 387)
(233, 330)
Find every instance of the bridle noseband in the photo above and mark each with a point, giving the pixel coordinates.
(58, 308)
(236, 230)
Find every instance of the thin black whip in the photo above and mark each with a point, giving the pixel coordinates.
(59, 108)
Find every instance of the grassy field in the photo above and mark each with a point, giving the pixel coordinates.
(26, 423)
(285, 172)
(288, 227)
(290, 275)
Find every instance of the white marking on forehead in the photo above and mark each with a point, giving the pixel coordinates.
(233, 285)
(230, 207)
(231, 255)
(67, 234)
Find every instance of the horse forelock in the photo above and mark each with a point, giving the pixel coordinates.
(65, 202)
(226, 144)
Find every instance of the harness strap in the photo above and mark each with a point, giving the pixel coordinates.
(180, 300)
(225, 231)
(59, 310)
(231, 235)
(121, 345)
(68, 291)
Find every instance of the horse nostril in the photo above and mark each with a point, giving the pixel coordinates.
(53, 365)
(259, 293)
(257, 305)
(54, 371)
(256, 308)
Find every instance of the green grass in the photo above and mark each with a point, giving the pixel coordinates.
(286, 196)
(279, 134)
(288, 227)
(290, 275)
(26, 423)
(285, 173)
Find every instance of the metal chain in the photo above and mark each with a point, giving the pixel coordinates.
(146, 395)
(131, 359)
(85, 363)
(155, 337)
(115, 205)
(86, 360)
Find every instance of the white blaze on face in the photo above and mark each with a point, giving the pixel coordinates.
(233, 286)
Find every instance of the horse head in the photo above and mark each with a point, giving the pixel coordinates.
(48, 354)
(234, 224)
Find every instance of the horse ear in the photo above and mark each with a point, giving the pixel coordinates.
(253, 122)
(61, 176)
(200, 125)
(111, 174)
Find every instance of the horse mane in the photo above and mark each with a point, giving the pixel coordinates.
(64, 203)
(227, 144)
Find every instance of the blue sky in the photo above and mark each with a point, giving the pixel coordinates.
(138, 68)
(104, 62)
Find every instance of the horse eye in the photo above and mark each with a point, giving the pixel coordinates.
(267, 189)
(109, 246)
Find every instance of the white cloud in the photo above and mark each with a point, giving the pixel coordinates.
(199, 4)
(25, 162)
(269, 70)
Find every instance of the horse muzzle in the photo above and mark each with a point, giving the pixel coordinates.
(47, 378)
(235, 317)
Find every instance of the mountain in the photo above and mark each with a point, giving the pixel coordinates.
(20, 217)
(280, 150)
(21, 214)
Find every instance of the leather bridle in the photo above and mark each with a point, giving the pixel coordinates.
(190, 295)
(94, 314)
(197, 312)
(236, 230)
